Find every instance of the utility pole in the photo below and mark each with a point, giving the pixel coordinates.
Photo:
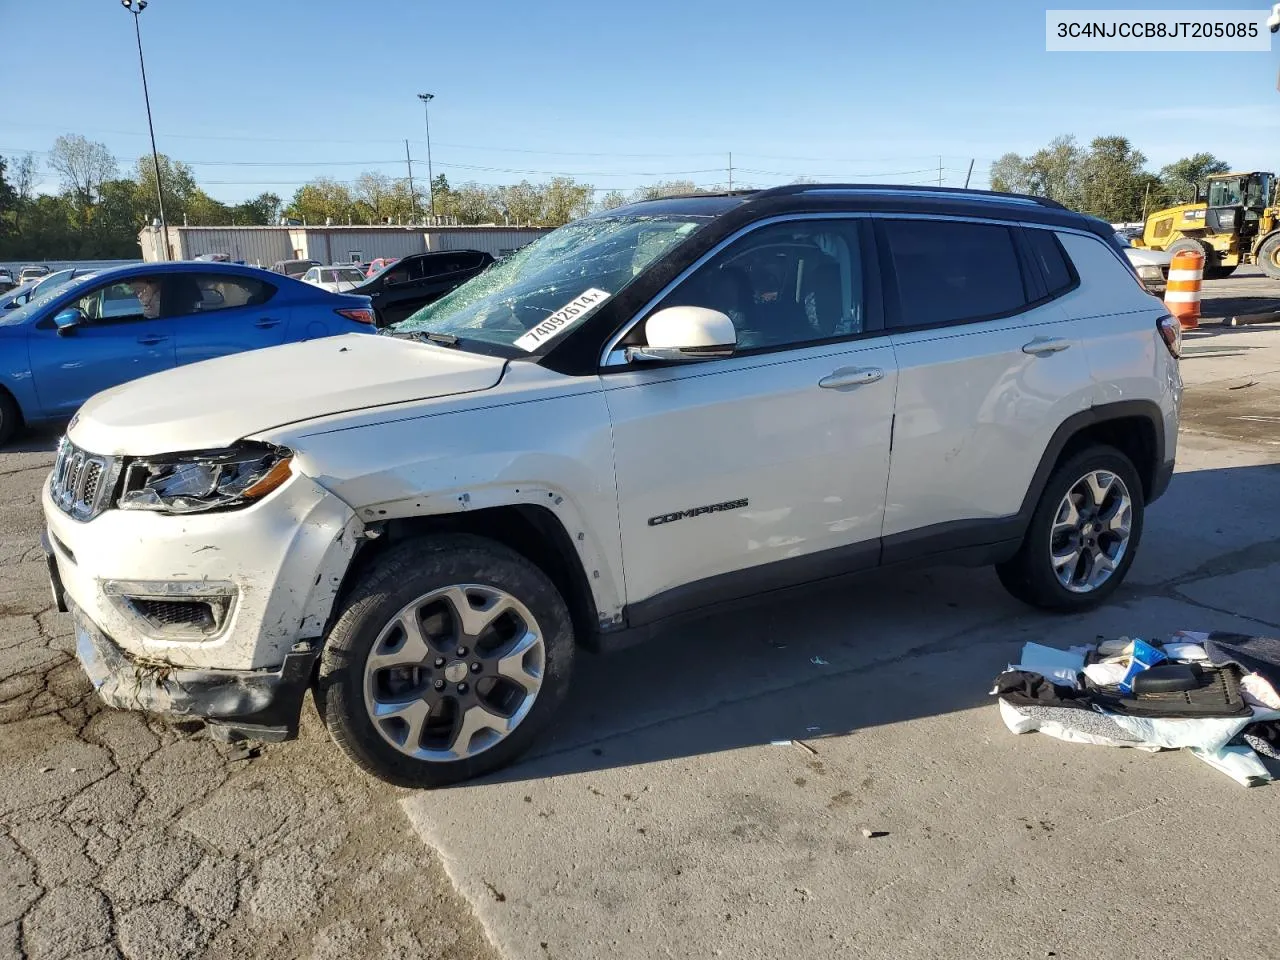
(968, 175)
(413, 197)
(939, 171)
(136, 7)
(731, 171)
(426, 98)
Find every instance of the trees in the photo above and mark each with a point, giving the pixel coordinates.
(612, 200)
(82, 166)
(564, 199)
(321, 201)
(1180, 178)
(665, 188)
(1107, 180)
(1113, 180)
(262, 210)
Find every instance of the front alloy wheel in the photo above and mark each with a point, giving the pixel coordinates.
(449, 655)
(454, 672)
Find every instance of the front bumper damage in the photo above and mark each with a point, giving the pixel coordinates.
(236, 704)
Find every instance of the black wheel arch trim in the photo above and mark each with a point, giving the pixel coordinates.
(1074, 424)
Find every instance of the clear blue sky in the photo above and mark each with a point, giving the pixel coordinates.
(264, 95)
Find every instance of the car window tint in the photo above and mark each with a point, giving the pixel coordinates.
(952, 271)
(1048, 253)
(783, 285)
(188, 293)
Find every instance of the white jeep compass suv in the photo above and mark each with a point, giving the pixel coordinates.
(663, 407)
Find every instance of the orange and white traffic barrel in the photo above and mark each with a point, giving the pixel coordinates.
(1182, 295)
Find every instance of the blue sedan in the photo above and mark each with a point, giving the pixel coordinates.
(116, 325)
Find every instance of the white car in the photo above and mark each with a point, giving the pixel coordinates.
(650, 412)
(335, 279)
(1151, 266)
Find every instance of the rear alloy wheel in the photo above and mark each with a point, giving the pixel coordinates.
(449, 657)
(1083, 534)
(1269, 256)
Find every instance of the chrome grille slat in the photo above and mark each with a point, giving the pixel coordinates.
(81, 482)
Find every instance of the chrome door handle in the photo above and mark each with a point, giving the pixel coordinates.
(1042, 346)
(851, 377)
(267, 322)
(151, 340)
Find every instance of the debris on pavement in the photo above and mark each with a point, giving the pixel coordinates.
(874, 834)
(819, 662)
(1214, 694)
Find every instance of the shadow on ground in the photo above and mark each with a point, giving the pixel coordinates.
(882, 648)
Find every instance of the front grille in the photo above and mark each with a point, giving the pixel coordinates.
(81, 482)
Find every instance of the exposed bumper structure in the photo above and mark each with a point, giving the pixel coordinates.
(262, 704)
(233, 590)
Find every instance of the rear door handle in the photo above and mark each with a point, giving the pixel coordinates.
(1043, 346)
(267, 322)
(850, 377)
(151, 339)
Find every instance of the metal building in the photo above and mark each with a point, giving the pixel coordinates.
(330, 244)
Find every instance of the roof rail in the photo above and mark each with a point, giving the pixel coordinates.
(923, 190)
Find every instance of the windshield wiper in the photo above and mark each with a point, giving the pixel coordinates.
(432, 336)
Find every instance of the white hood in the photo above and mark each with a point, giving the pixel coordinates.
(215, 403)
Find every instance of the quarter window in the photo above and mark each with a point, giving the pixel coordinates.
(783, 285)
(953, 271)
(1048, 253)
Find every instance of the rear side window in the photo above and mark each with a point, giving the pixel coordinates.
(185, 294)
(952, 271)
(1048, 253)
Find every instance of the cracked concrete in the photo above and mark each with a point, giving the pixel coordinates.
(121, 837)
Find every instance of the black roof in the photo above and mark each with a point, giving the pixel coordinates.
(870, 197)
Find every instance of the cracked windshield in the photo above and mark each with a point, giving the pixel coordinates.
(544, 290)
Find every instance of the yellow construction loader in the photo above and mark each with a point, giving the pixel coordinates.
(1235, 220)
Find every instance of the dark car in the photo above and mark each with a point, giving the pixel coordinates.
(293, 268)
(414, 281)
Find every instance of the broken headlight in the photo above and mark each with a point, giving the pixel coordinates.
(210, 480)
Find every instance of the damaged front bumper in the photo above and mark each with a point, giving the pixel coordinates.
(236, 704)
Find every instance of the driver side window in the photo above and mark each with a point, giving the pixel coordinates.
(784, 285)
(113, 303)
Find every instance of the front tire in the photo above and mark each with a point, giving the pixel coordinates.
(1083, 534)
(449, 656)
(1269, 256)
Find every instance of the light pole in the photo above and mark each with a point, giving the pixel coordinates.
(136, 7)
(426, 98)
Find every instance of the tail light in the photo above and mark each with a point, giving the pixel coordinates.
(358, 314)
(1171, 333)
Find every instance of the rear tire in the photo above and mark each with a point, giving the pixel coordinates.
(1269, 256)
(10, 417)
(444, 642)
(1091, 508)
(1212, 269)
